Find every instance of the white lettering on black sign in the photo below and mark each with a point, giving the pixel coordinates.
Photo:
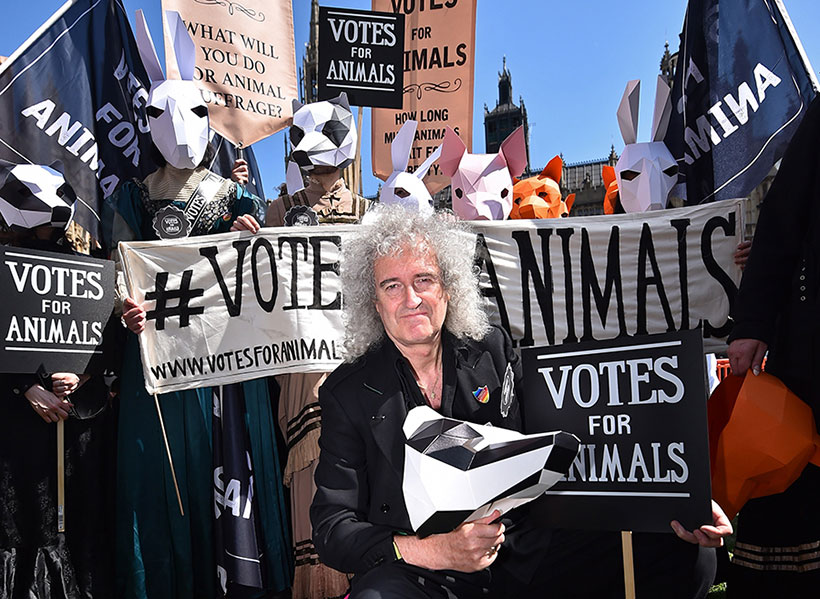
(639, 407)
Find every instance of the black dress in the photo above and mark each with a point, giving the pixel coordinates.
(36, 560)
(778, 542)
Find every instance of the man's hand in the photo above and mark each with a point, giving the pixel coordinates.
(240, 172)
(48, 406)
(245, 223)
(707, 535)
(133, 315)
(471, 547)
(745, 354)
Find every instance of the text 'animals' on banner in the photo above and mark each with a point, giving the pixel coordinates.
(234, 307)
(438, 82)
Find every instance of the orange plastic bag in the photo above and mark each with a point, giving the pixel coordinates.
(761, 437)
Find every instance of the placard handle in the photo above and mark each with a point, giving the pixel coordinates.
(168, 452)
(629, 564)
(61, 476)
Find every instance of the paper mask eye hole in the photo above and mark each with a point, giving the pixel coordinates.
(542, 194)
(296, 135)
(335, 131)
(401, 192)
(517, 200)
(200, 111)
(459, 193)
(629, 175)
(671, 171)
(154, 112)
(505, 192)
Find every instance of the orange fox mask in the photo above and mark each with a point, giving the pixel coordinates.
(540, 196)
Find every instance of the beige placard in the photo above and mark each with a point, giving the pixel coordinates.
(245, 63)
(439, 50)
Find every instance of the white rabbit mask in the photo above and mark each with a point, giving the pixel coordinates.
(403, 188)
(646, 172)
(177, 115)
(482, 183)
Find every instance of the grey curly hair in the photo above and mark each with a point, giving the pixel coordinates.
(389, 231)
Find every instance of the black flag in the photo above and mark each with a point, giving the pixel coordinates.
(75, 92)
(238, 559)
(741, 88)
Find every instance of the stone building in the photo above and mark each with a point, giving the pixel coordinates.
(506, 117)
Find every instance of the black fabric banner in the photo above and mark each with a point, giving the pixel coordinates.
(238, 559)
(76, 93)
(740, 90)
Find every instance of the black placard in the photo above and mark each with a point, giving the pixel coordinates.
(55, 312)
(638, 405)
(361, 53)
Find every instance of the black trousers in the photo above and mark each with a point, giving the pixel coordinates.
(397, 580)
(589, 565)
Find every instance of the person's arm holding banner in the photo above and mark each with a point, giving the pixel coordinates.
(240, 171)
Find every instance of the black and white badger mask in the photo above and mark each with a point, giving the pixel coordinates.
(457, 471)
(177, 115)
(32, 195)
(322, 134)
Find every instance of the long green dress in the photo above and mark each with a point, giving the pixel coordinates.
(159, 553)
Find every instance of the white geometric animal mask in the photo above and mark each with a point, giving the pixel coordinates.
(403, 188)
(482, 183)
(322, 134)
(177, 115)
(456, 471)
(32, 195)
(646, 172)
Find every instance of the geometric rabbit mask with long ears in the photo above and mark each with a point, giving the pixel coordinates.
(403, 188)
(646, 172)
(177, 115)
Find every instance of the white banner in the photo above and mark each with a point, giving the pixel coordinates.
(233, 307)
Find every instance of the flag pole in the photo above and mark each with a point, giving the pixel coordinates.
(168, 452)
(629, 564)
(61, 476)
(797, 43)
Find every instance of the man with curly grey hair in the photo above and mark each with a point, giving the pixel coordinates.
(416, 334)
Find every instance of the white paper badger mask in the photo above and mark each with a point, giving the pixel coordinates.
(177, 115)
(32, 195)
(646, 172)
(323, 134)
(403, 188)
(456, 471)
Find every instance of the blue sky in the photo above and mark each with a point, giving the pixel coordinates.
(569, 61)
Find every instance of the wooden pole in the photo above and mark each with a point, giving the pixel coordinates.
(359, 154)
(168, 452)
(629, 564)
(61, 476)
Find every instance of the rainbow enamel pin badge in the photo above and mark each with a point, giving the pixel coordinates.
(482, 394)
